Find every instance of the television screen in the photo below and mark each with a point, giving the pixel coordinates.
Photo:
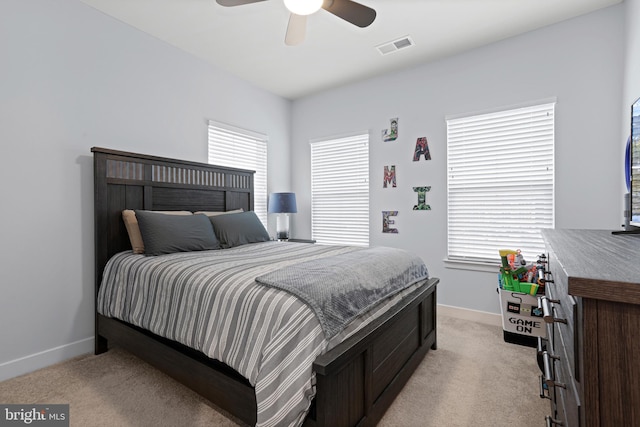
(635, 164)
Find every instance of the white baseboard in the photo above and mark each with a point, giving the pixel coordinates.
(33, 362)
(472, 315)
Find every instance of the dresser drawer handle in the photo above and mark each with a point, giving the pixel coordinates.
(545, 304)
(548, 376)
(552, 421)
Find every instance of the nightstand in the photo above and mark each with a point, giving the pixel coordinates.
(301, 241)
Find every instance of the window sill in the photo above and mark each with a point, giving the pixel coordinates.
(484, 266)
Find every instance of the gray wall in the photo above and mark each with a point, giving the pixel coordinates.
(579, 62)
(73, 78)
(631, 90)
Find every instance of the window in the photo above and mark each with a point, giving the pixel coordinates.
(239, 148)
(340, 191)
(500, 182)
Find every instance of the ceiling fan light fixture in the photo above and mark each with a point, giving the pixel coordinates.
(303, 7)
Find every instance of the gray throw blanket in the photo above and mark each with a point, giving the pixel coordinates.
(340, 288)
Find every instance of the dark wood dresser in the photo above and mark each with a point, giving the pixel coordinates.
(591, 359)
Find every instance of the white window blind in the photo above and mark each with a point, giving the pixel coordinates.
(340, 191)
(239, 148)
(500, 182)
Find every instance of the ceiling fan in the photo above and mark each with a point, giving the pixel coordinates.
(352, 12)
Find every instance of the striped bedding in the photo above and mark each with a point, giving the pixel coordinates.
(210, 301)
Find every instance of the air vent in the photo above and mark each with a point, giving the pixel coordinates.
(395, 45)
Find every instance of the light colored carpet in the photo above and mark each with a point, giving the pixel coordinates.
(473, 379)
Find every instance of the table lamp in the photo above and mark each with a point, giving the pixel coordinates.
(282, 204)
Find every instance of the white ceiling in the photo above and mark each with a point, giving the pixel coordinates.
(248, 40)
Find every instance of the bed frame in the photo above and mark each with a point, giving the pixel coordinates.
(356, 381)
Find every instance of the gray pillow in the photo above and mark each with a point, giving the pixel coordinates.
(238, 229)
(165, 234)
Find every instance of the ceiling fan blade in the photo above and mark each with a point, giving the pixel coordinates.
(355, 13)
(230, 3)
(296, 29)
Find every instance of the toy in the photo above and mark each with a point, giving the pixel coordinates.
(515, 275)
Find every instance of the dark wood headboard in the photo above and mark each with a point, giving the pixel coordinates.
(125, 180)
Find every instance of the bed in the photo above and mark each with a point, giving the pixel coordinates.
(355, 381)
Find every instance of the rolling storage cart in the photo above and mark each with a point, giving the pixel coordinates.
(519, 287)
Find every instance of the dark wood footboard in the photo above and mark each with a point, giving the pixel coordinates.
(359, 379)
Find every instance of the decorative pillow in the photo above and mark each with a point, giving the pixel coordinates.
(165, 234)
(239, 229)
(215, 213)
(131, 223)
